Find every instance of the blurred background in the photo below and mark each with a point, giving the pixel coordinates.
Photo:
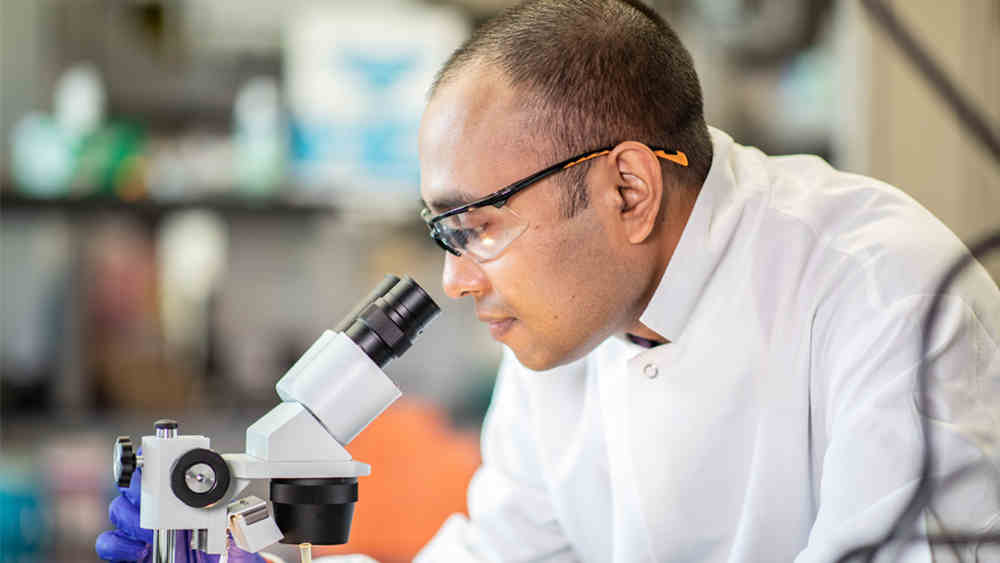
(193, 190)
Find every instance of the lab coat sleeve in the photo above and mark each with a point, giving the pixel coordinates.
(511, 517)
(864, 392)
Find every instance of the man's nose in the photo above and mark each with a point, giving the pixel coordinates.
(463, 277)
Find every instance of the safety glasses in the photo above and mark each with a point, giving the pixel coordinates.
(485, 227)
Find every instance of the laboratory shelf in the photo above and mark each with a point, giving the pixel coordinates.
(154, 209)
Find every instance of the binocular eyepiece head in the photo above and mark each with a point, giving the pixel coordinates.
(384, 326)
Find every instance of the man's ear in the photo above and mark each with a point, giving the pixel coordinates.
(640, 187)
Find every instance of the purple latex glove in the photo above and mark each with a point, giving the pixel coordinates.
(129, 542)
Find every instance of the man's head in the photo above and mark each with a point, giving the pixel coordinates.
(543, 82)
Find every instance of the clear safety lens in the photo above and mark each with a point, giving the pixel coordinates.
(483, 232)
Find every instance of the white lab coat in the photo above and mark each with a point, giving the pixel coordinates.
(780, 422)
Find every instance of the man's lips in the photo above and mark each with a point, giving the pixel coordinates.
(498, 325)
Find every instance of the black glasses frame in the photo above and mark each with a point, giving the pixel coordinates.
(501, 196)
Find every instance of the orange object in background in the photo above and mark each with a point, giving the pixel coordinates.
(421, 467)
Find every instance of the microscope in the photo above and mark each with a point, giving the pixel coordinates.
(328, 397)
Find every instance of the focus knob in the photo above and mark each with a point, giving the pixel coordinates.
(124, 461)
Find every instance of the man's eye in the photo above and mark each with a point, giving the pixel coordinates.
(461, 236)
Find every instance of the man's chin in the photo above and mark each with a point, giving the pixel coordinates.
(544, 359)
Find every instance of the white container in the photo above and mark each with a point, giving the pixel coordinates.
(357, 78)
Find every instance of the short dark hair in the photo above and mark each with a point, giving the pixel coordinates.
(595, 72)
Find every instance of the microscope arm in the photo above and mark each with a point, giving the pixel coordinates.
(248, 467)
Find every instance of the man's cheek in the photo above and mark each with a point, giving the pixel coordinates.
(511, 281)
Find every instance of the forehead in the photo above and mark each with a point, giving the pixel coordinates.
(474, 139)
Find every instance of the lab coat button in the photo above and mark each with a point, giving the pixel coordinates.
(650, 371)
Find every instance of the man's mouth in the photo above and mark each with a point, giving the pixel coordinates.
(499, 326)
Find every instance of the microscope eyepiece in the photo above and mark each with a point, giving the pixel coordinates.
(396, 314)
(413, 305)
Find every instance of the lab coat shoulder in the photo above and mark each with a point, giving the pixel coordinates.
(875, 261)
(853, 264)
(870, 231)
(846, 247)
(870, 258)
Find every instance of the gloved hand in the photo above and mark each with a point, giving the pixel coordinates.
(129, 542)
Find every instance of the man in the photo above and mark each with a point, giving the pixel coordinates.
(710, 353)
(728, 342)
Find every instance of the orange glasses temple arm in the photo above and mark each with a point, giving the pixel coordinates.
(678, 157)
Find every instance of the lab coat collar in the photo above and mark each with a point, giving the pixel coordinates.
(700, 249)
